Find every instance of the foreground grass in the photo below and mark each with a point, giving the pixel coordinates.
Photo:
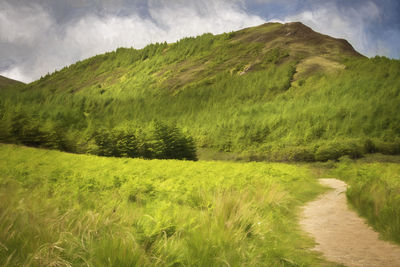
(59, 209)
(374, 191)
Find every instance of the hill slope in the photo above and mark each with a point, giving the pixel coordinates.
(280, 91)
(7, 82)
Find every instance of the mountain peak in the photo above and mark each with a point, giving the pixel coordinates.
(298, 38)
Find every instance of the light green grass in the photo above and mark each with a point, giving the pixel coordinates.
(374, 191)
(63, 209)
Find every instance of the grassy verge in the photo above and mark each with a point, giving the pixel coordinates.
(374, 191)
(62, 209)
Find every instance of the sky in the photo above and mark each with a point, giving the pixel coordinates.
(40, 36)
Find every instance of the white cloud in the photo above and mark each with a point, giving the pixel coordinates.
(24, 24)
(52, 46)
(14, 73)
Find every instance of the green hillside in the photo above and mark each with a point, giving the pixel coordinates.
(276, 91)
(7, 82)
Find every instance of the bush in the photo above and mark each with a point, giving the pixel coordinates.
(369, 146)
(168, 142)
(116, 143)
(29, 131)
(302, 154)
(163, 142)
(334, 151)
(388, 148)
(327, 152)
(381, 147)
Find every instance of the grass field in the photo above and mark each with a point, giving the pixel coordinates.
(60, 209)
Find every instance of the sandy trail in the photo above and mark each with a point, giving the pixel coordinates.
(341, 235)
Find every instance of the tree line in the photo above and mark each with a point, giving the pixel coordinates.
(159, 141)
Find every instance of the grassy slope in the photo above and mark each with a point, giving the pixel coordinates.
(277, 90)
(6, 82)
(58, 209)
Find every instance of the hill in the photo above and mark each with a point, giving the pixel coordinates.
(276, 91)
(7, 82)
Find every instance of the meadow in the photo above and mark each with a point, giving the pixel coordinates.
(64, 209)
(60, 209)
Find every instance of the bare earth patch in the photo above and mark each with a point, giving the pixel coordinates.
(341, 235)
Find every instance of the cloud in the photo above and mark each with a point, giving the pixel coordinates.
(22, 25)
(52, 46)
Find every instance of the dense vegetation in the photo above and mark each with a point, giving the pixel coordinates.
(374, 191)
(275, 92)
(160, 141)
(60, 209)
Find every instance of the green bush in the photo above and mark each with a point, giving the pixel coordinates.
(159, 142)
(388, 148)
(333, 151)
(168, 142)
(369, 146)
(302, 155)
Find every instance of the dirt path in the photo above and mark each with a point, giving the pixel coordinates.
(341, 235)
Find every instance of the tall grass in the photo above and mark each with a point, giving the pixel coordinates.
(60, 209)
(374, 190)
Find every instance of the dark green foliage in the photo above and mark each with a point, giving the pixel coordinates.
(388, 148)
(302, 154)
(28, 131)
(107, 143)
(334, 151)
(169, 143)
(369, 146)
(161, 142)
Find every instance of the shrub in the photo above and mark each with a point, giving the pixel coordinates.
(116, 143)
(334, 151)
(302, 154)
(327, 152)
(163, 142)
(369, 146)
(168, 142)
(388, 148)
